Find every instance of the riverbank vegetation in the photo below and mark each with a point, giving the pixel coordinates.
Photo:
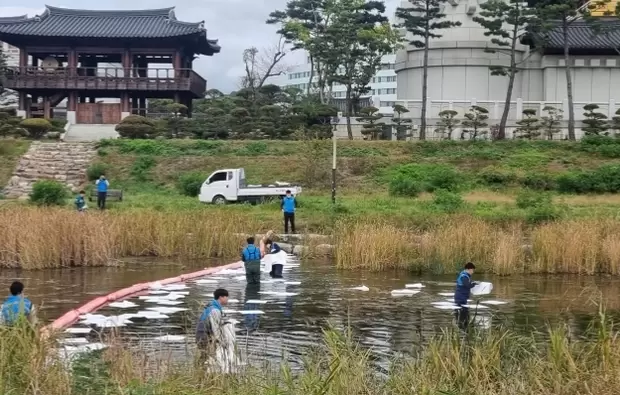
(485, 362)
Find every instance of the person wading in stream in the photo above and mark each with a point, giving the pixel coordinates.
(209, 328)
(276, 268)
(464, 284)
(251, 260)
(17, 306)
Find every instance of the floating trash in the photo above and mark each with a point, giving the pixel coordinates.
(125, 304)
(165, 302)
(247, 312)
(482, 289)
(174, 287)
(446, 307)
(170, 338)
(75, 340)
(158, 292)
(150, 315)
(362, 288)
(256, 301)
(206, 281)
(79, 331)
(446, 294)
(404, 292)
(417, 285)
(476, 306)
(166, 310)
(292, 282)
(233, 301)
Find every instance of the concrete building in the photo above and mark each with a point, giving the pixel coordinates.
(11, 54)
(382, 85)
(458, 71)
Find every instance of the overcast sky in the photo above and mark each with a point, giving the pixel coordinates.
(237, 24)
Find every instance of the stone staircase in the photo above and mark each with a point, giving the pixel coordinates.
(91, 132)
(64, 162)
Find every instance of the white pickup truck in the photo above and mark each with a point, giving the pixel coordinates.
(228, 185)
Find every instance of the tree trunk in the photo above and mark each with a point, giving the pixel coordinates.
(349, 104)
(311, 76)
(424, 88)
(501, 134)
(569, 83)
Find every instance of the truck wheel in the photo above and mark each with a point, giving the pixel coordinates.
(219, 199)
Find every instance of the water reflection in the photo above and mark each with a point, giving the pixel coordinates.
(379, 321)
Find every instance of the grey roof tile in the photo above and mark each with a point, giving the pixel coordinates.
(583, 36)
(145, 24)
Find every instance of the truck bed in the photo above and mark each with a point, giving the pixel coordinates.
(267, 191)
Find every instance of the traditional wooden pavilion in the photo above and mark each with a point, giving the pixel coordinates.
(83, 56)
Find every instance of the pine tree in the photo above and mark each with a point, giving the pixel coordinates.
(550, 123)
(595, 122)
(506, 22)
(475, 123)
(423, 19)
(447, 123)
(371, 127)
(403, 125)
(529, 126)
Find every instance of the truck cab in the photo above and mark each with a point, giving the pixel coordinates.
(229, 185)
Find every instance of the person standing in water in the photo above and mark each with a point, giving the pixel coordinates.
(209, 328)
(289, 206)
(464, 284)
(276, 268)
(251, 256)
(17, 306)
(102, 191)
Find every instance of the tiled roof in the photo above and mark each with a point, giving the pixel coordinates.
(582, 36)
(145, 24)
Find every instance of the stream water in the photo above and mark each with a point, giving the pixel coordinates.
(323, 296)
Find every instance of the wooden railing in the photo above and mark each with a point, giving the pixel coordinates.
(105, 78)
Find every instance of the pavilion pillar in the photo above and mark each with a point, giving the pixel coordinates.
(126, 60)
(23, 97)
(72, 99)
(177, 63)
(142, 101)
(125, 105)
(47, 107)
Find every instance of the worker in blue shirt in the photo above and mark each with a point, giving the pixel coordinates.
(251, 260)
(17, 306)
(289, 205)
(80, 202)
(102, 191)
(464, 284)
(210, 323)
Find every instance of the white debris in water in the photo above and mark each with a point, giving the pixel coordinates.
(284, 294)
(92, 317)
(158, 292)
(206, 281)
(446, 294)
(170, 338)
(166, 310)
(233, 301)
(125, 304)
(164, 302)
(175, 287)
(239, 278)
(404, 292)
(482, 289)
(417, 285)
(74, 340)
(267, 292)
(292, 282)
(493, 302)
(362, 288)
(229, 311)
(79, 331)
(151, 315)
(446, 307)
(155, 285)
(248, 312)
(256, 301)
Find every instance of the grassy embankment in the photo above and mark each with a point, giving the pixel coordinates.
(10, 152)
(513, 207)
(490, 362)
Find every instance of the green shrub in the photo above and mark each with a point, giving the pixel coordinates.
(447, 201)
(428, 178)
(141, 168)
(36, 127)
(136, 127)
(528, 199)
(49, 193)
(495, 176)
(539, 181)
(189, 184)
(255, 148)
(544, 213)
(605, 179)
(95, 171)
(401, 185)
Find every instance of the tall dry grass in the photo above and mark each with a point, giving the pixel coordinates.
(490, 362)
(34, 238)
(572, 247)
